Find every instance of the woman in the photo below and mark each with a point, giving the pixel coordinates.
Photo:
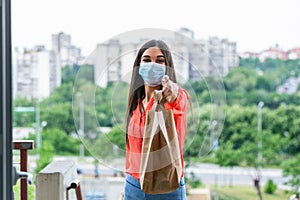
(153, 69)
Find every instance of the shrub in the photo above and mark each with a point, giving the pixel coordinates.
(193, 181)
(270, 187)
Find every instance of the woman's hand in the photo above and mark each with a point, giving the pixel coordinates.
(170, 89)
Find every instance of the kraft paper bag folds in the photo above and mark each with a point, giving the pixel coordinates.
(161, 169)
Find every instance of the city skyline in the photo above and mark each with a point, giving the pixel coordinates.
(254, 25)
(38, 70)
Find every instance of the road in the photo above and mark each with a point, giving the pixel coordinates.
(213, 174)
(112, 187)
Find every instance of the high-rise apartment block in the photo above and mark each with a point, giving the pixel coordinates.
(112, 61)
(37, 71)
(36, 74)
(67, 54)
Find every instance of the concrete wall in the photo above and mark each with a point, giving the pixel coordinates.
(53, 180)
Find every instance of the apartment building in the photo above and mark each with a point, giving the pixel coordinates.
(67, 53)
(37, 71)
(293, 53)
(274, 52)
(36, 74)
(106, 62)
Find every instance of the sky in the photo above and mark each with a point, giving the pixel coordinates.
(254, 24)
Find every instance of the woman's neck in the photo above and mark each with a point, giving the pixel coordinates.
(149, 92)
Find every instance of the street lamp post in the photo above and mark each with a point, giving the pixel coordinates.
(81, 122)
(39, 126)
(212, 129)
(213, 123)
(38, 129)
(259, 128)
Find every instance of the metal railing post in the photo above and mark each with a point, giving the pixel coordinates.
(23, 146)
(75, 185)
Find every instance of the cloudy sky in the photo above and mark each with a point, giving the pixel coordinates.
(254, 24)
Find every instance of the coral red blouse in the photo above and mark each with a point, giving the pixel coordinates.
(136, 131)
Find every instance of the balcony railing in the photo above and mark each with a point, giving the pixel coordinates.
(23, 146)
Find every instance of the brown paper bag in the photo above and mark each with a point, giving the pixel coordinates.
(161, 168)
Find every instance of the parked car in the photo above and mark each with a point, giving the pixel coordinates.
(95, 196)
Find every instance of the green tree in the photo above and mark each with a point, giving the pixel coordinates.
(58, 115)
(263, 83)
(46, 154)
(240, 80)
(61, 142)
(23, 119)
(101, 148)
(292, 168)
(117, 136)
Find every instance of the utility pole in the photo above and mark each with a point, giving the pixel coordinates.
(212, 131)
(259, 134)
(81, 122)
(259, 153)
(37, 124)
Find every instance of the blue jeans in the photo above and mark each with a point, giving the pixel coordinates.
(133, 191)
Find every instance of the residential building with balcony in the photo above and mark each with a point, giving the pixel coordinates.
(273, 53)
(106, 61)
(293, 53)
(37, 73)
(67, 53)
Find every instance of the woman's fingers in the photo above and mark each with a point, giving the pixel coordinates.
(170, 89)
(165, 81)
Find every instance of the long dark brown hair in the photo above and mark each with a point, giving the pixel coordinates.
(137, 89)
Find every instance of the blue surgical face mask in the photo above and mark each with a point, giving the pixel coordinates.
(152, 73)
